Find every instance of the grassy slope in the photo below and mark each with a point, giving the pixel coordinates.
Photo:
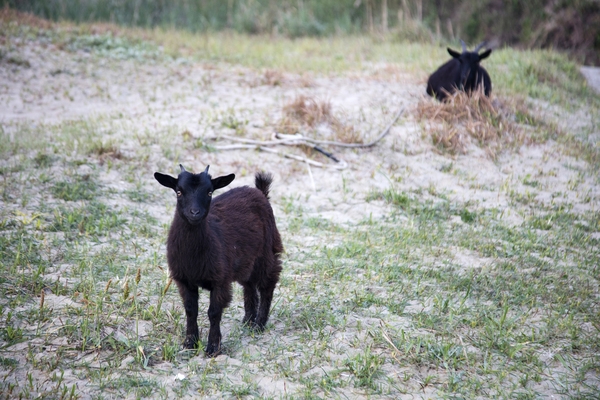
(526, 322)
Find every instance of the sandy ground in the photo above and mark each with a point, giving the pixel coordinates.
(197, 98)
(592, 75)
(186, 101)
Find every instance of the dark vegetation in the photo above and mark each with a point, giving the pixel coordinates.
(573, 26)
(214, 243)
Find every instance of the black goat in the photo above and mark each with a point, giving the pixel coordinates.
(462, 72)
(212, 244)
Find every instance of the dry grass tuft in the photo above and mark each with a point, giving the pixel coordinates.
(305, 81)
(307, 112)
(455, 122)
(390, 73)
(448, 138)
(105, 151)
(273, 77)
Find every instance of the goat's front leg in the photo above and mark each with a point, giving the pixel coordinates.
(220, 297)
(189, 295)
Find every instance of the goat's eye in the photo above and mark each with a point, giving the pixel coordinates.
(179, 193)
(209, 194)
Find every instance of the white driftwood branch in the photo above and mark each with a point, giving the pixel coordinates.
(299, 139)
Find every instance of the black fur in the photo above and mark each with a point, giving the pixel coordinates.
(462, 72)
(215, 242)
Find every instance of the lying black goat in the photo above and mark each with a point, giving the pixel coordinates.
(462, 72)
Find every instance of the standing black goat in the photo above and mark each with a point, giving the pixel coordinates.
(213, 243)
(462, 72)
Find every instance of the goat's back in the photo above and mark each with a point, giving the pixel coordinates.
(243, 219)
(243, 202)
(245, 209)
(445, 79)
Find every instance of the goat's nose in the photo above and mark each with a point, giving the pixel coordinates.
(194, 211)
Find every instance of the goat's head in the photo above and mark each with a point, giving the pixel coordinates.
(194, 192)
(469, 61)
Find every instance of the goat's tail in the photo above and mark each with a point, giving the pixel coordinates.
(263, 182)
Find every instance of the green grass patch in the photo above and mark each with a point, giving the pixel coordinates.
(84, 188)
(94, 219)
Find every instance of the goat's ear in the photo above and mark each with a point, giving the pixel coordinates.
(485, 54)
(222, 181)
(453, 53)
(166, 180)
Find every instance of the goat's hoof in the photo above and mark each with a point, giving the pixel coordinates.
(259, 328)
(191, 342)
(249, 323)
(213, 350)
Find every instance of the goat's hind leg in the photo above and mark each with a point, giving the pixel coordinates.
(250, 303)
(266, 289)
(266, 297)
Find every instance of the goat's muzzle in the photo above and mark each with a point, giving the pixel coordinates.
(193, 216)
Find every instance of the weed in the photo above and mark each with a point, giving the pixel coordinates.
(8, 362)
(93, 219)
(365, 367)
(84, 188)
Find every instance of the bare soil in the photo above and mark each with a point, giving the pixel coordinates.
(592, 75)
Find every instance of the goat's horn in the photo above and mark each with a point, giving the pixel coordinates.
(206, 170)
(464, 45)
(479, 46)
(182, 169)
